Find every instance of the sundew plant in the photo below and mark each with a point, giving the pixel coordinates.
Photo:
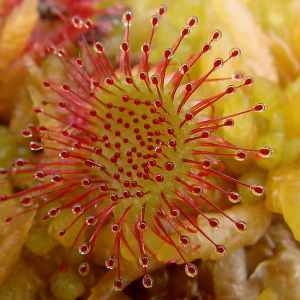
(136, 146)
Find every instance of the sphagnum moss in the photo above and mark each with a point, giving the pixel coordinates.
(135, 147)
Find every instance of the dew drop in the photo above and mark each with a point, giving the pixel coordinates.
(206, 47)
(159, 178)
(127, 17)
(259, 107)
(193, 21)
(84, 269)
(240, 225)
(168, 53)
(169, 166)
(197, 189)
(26, 132)
(56, 178)
(53, 212)
(114, 197)
(204, 135)
(230, 89)
(85, 182)
(20, 162)
(91, 221)
(62, 232)
(257, 190)
(64, 154)
(218, 62)
(77, 22)
(84, 249)
(141, 225)
(139, 194)
(76, 209)
(66, 87)
(185, 31)
(154, 79)
(115, 228)
(184, 68)
(184, 240)
(248, 81)
(188, 116)
(110, 263)
(147, 281)
(265, 152)
(220, 249)
(217, 35)
(39, 174)
(46, 84)
(26, 202)
(240, 155)
(162, 10)
(206, 164)
(174, 213)
(109, 80)
(229, 122)
(188, 87)
(118, 284)
(125, 47)
(8, 220)
(191, 270)
(235, 52)
(234, 197)
(213, 222)
(144, 261)
(35, 146)
(98, 47)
